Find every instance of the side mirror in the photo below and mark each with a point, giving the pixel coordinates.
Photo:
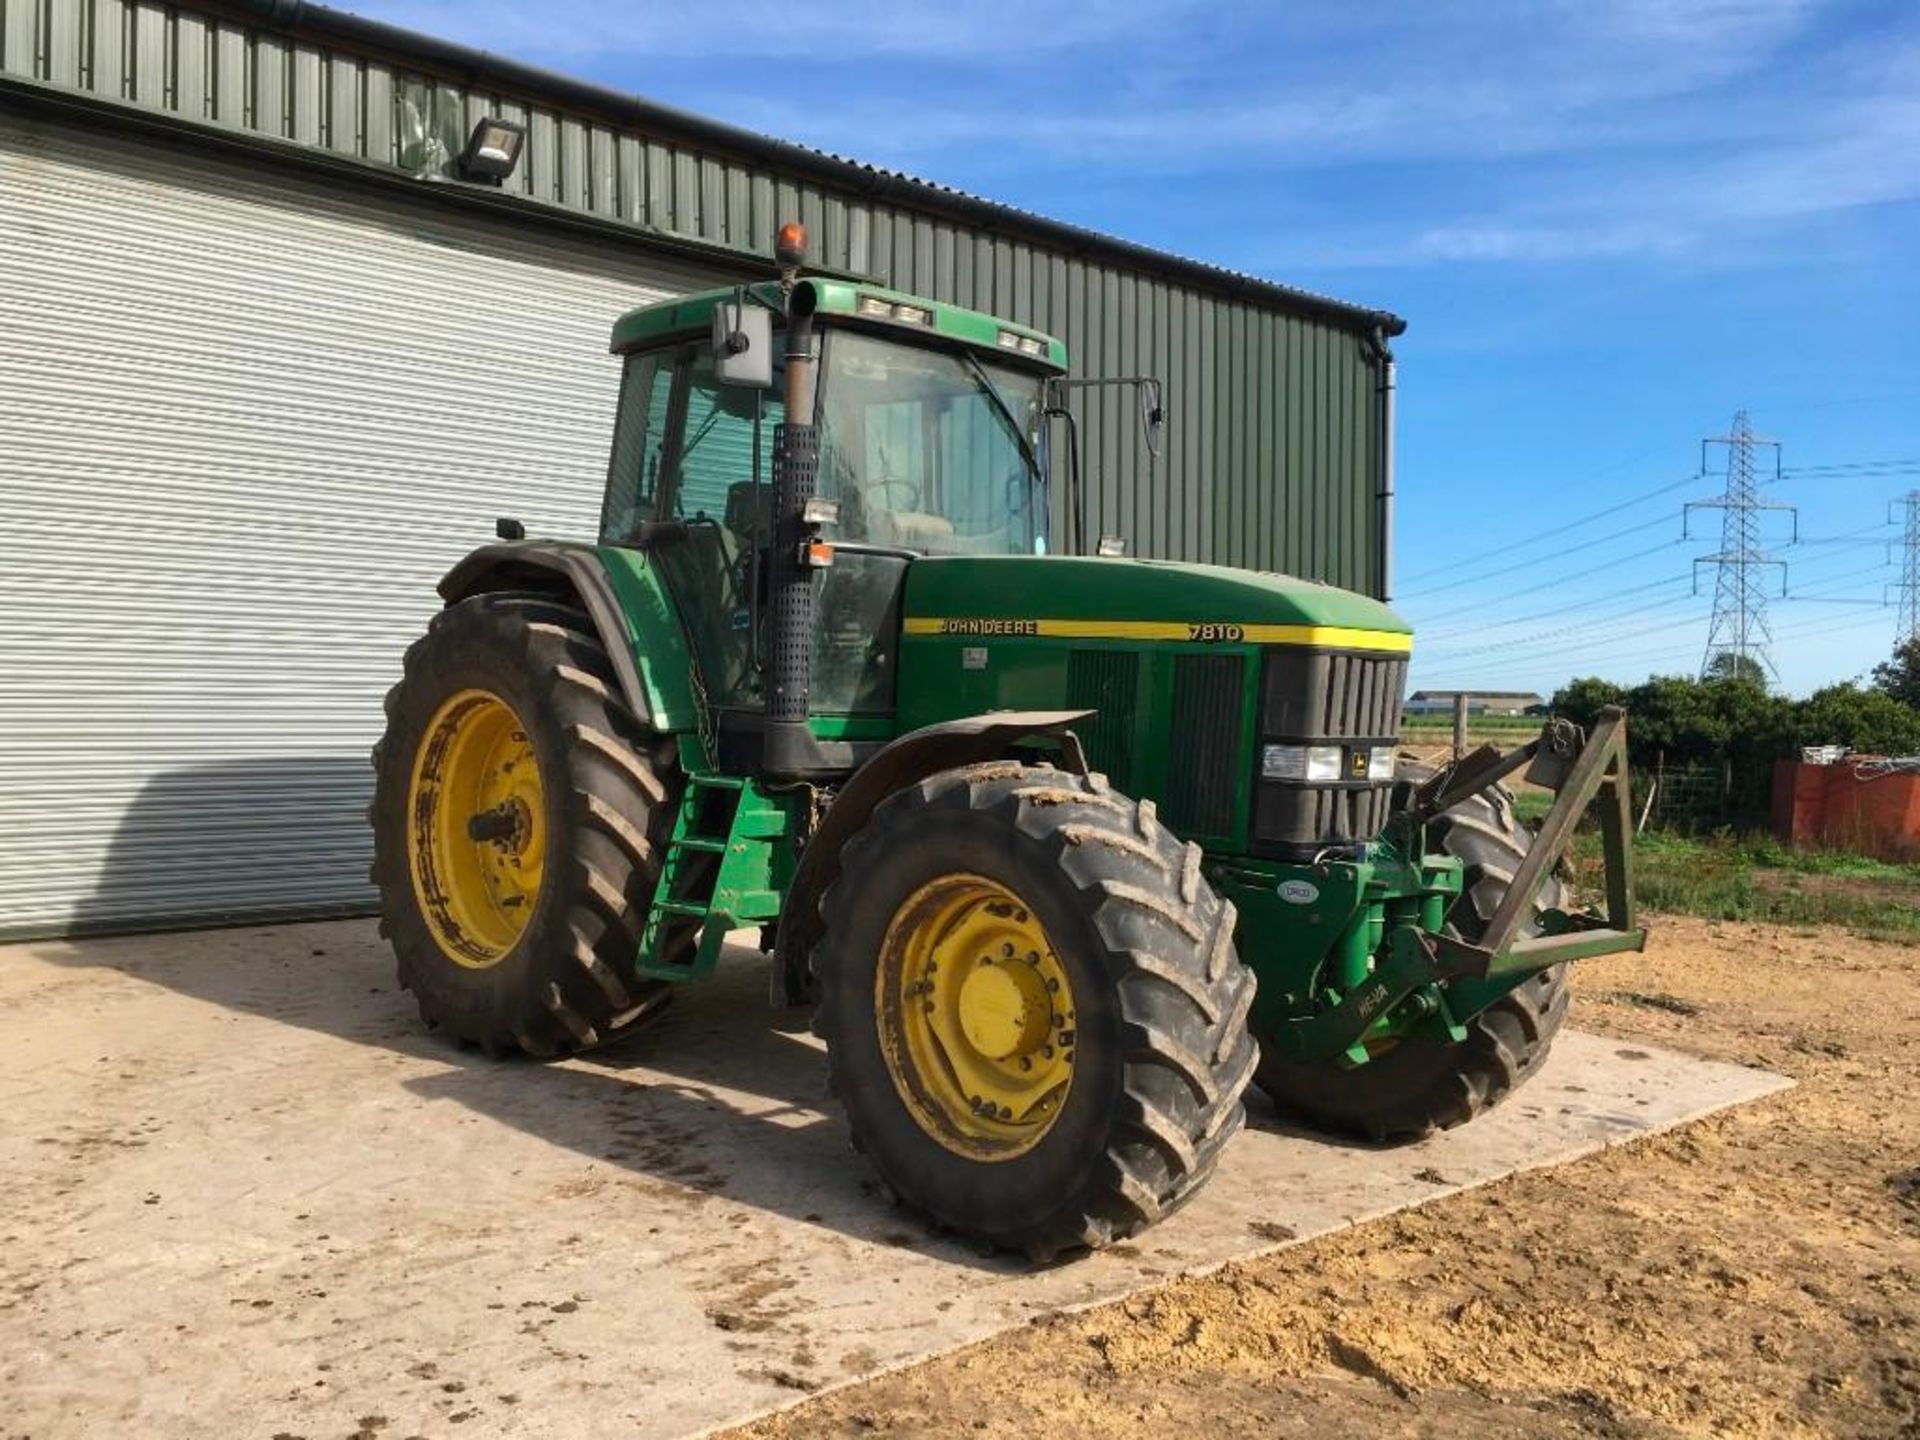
(1153, 416)
(743, 344)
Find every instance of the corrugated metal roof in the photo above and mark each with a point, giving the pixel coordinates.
(1060, 229)
(476, 69)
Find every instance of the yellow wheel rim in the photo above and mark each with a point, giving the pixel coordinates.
(477, 828)
(976, 1018)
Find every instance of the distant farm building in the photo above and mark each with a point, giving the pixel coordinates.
(1479, 702)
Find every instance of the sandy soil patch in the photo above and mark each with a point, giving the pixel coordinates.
(1754, 1274)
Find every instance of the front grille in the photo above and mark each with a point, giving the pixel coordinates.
(1319, 697)
(1296, 822)
(1106, 681)
(1207, 700)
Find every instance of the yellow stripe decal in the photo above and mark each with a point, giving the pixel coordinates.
(1326, 637)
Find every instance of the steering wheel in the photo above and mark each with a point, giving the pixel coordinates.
(885, 484)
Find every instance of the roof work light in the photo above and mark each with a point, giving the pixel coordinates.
(492, 150)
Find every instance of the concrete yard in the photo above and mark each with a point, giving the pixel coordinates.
(247, 1195)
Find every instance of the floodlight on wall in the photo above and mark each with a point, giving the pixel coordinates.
(492, 150)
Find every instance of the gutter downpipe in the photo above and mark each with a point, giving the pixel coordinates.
(1384, 387)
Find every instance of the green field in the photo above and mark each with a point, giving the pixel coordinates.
(1758, 878)
(1721, 877)
(1426, 732)
(1440, 727)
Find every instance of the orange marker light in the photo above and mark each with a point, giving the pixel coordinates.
(819, 554)
(790, 245)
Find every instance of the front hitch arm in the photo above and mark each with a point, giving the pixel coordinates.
(1579, 769)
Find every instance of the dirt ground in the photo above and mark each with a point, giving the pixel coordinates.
(1753, 1274)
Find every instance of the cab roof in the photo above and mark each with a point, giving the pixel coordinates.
(842, 299)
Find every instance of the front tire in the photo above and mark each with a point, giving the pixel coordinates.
(1422, 1084)
(1033, 1010)
(519, 812)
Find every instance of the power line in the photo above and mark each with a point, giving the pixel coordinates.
(1555, 582)
(1588, 604)
(1481, 576)
(1607, 635)
(1847, 465)
(1852, 573)
(1501, 551)
(1631, 658)
(1550, 638)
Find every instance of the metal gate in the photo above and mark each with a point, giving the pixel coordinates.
(247, 418)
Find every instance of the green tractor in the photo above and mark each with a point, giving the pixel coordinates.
(1064, 849)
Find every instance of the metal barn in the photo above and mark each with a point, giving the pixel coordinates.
(268, 367)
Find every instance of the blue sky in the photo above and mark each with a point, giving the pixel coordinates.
(1610, 224)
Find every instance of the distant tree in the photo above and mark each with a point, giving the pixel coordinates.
(1728, 665)
(1733, 720)
(1871, 721)
(1701, 721)
(1581, 700)
(1899, 675)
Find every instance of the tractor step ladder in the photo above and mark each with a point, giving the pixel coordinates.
(716, 877)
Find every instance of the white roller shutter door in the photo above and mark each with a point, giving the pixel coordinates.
(247, 419)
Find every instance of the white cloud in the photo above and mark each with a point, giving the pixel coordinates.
(1311, 86)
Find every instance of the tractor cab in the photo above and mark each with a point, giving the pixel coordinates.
(930, 425)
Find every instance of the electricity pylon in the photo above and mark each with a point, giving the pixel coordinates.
(1739, 627)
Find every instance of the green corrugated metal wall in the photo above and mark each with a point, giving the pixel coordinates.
(1272, 444)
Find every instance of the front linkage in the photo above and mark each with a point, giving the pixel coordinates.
(1392, 967)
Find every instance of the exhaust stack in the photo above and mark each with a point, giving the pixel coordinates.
(788, 743)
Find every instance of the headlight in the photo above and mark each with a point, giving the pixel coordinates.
(1323, 762)
(1300, 762)
(1283, 762)
(1380, 762)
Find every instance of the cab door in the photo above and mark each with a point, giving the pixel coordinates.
(683, 485)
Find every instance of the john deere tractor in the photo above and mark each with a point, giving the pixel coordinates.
(1064, 849)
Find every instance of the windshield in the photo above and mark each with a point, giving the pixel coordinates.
(931, 450)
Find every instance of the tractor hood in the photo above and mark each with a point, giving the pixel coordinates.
(1112, 599)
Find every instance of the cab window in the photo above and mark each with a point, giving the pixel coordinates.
(639, 442)
(931, 450)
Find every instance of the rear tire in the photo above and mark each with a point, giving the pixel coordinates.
(601, 809)
(1423, 1084)
(1137, 952)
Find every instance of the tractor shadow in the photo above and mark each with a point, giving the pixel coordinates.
(718, 1097)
